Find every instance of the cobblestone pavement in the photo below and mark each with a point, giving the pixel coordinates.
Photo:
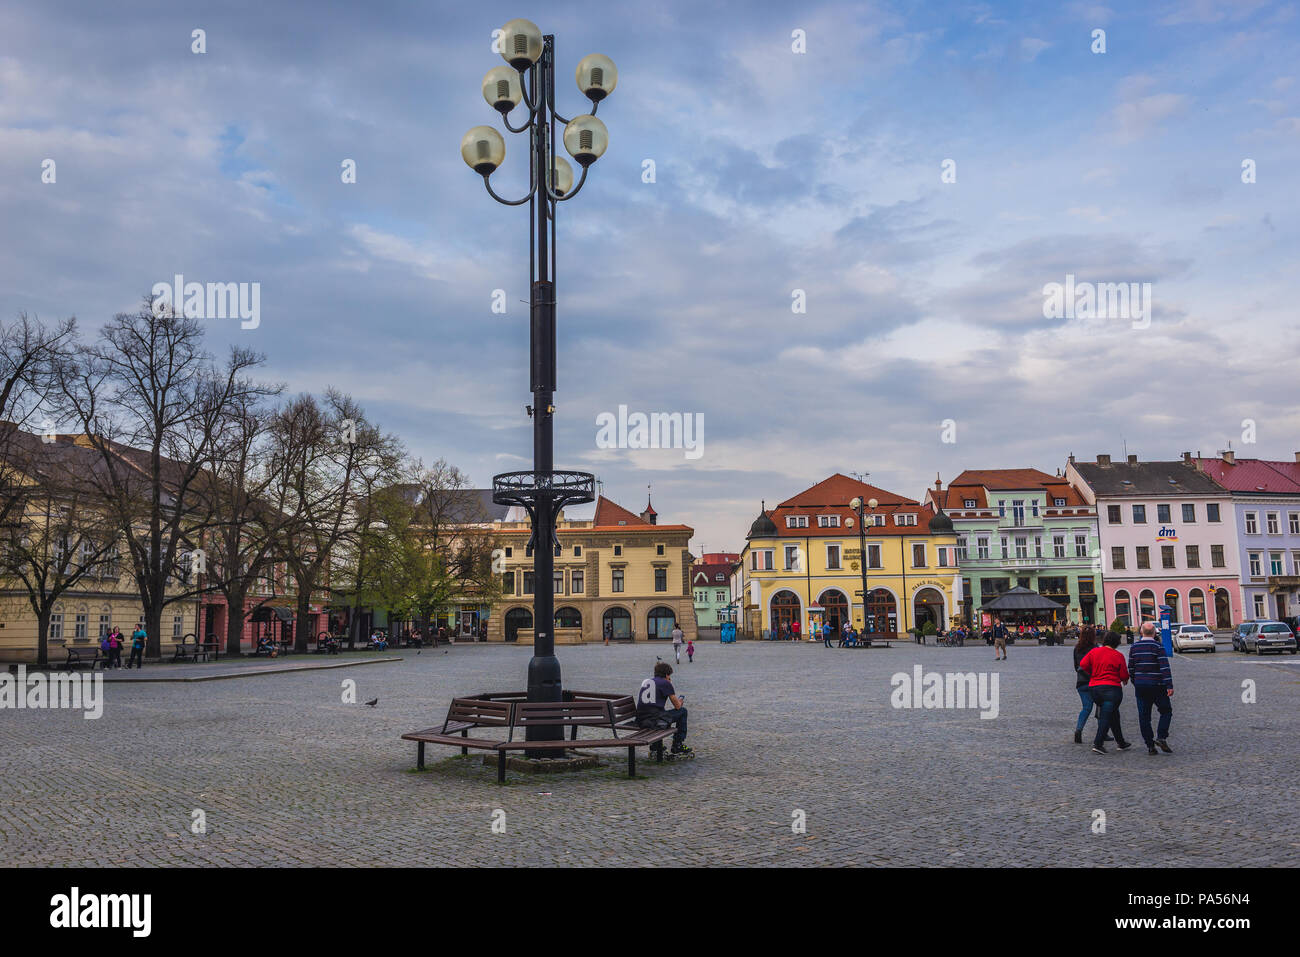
(287, 774)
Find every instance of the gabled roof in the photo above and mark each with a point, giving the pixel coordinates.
(832, 497)
(839, 490)
(1147, 478)
(1259, 476)
(611, 513)
(972, 484)
(1006, 479)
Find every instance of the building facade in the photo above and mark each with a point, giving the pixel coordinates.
(711, 588)
(803, 562)
(618, 573)
(1266, 515)
(1023, 527)
(1167, 538)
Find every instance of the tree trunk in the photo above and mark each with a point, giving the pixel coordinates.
(43, 638)
(302, 632)
(153, 628)
(234, 621)
(354, 625)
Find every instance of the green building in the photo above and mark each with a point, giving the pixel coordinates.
(1023, 527)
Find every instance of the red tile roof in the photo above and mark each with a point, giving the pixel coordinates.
(832, 497)
(1254, 475)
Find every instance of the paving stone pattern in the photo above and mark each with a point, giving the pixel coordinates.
(286, 774)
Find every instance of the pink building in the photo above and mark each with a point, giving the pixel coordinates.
(1167, 538)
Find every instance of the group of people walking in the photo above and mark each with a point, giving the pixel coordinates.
(1101, 672)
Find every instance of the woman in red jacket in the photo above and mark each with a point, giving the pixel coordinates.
(1107, 673)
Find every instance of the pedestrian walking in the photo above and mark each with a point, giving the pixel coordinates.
(690, 651)
(1087, 641)
(999, 641)
(609, 631)
(678, 639)
(137, 648)
(1107, 674)
(827, 633)
(1153, 684)
(794, 630)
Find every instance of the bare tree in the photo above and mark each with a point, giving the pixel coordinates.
(30, 355)
(322, 453)
(152, 403)
(441, 548)
(59, 534)
(250, 517)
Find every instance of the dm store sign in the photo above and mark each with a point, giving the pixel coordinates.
(1167, 533)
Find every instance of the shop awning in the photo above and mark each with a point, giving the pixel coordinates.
(1022, 599)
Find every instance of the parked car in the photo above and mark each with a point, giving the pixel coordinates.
(1193, 637)
(1240, 632)
(1262, 636)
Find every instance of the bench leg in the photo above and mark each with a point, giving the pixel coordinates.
(631, 762)
(501, 767)
(464, 734)
(419, 760)
(659, 752)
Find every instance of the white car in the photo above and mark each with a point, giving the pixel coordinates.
(1193, 638)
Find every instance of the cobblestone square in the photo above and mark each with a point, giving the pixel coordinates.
(286, 774)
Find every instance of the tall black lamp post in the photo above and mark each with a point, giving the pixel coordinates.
(530, 79)
(856, 505)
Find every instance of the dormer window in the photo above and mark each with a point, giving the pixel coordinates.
(968, 503)
(796, 521)
(1058, 502)
(828, 521)
(904, 518)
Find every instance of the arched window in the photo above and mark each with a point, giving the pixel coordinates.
(1147, 605)
(617, 623)
(837, 607)
(568, 618)
(882, 613)
(660, 622)
(1171, 599)
(1122, 610)
(517, 618)
(1196, 606)
(927, 607)
(785, 608)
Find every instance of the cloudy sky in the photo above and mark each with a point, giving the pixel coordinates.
(775, 171)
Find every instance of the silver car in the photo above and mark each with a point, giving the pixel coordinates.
(1263, 636)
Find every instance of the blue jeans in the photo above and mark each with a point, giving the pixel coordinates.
(1148, 695)
(1108, 698)
(1085, 698)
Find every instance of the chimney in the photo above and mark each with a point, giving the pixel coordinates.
(1132, 459)
(1187, 458)
(1297, 456)
(1103, 461)
(1230, 457)
(1071, 458)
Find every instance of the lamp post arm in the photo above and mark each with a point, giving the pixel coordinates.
(506, 202)
(571, 193)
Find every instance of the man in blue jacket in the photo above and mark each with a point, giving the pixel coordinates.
(1153, 684)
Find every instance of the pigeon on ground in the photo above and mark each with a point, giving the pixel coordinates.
(373, 703)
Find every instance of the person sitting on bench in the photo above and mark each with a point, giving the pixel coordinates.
(651, 711)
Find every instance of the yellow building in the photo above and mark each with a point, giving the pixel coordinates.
(617, 572)
(802, 563)
(70, 531)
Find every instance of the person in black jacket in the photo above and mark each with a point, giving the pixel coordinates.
(1087, 640)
